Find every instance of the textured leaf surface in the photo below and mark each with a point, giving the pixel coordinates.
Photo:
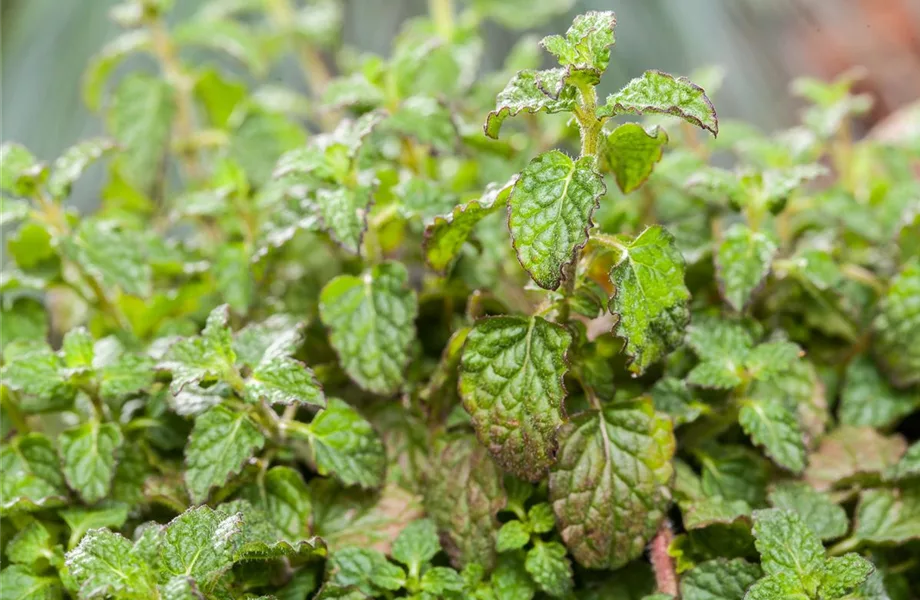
(828, 520)
(220, 443)
(897, 327)
(844, 573)
(112, 256)
(75, 160)
(657, 92)
(285, 381)
(743, 261)
(344, 214)
(20, 583)
(30, 545)
(445, 236)
(775, 428)
(550, 569)
(650, 299)
(631, 153)
(609, 485)
(851, 452)
(549, 213)
(463, 498)
(199, 543)
(868, 399)
(787, 545)
(417, 544)
(525, 93)
(370, 319)
(30, 478)
(88, 454)
(284, 498)
(511, 384)
(205, 357)
(103, 565)
(888, 516)
(719, 580)
(345, 445)
(586, 44)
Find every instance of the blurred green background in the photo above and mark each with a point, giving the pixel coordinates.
(761, 44)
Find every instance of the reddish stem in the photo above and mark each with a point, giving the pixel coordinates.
(662, 563)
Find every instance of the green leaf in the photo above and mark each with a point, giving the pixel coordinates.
(259, 139)
(512, 536)
(202, 358)
(511, 385)
(908, 466)
(81, 520)
(787, 546)
(227, 36)
(427, 120)
(781, 586)
(549, 213)
(650, 300)
(344, 444)
(199, 544)
(743, 261)
(586, 44)
(370, 319)
(440, 581)
(896, 328)
(284, 498)
(540, 518)
(107, 59)
(366, 569)
(719, 580)
(609, 486)
(868, 399)
(520, 14)
(771, 359)
(30, 478)
(18, 163)
(71, 165)
(849, 453)
(417, 544)
(20, 583)
(825, 518)
(140, 120)
(103, 565)
(657, 92)
(88, 453)
(77, 350)
(111, 255)
(463, 498)
(772, 426)
(220, 444)
(673, 397)
(445, 236)
(232, 276)
(526, 93)
(843, 574)
(344, 214)
(37, 372)
(888, 516)
(735, 473)
(285, 381)
(126, 375)
(631, 153)
(30, 545)
(547, 564)
(277, 336)
(180, 587)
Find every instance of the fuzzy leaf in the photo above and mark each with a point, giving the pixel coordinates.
(285, 381)
(828, 520)
(88, 453)
(511, 384)
(202, 358)
(549, 213)
(111, 255)
(525, 92)
(868, 399)
(608, 487)
(842, 574)
(631, 153)
(650, 299)
(657, 92)
(547, 564)
(463, 498)
(344, 214)
(787, 545)
(446, 235)
(220, 444)
(366, 569)
(897, 327)
(743, 261)
(200, 543)
(70, 166)
(345, 445)
(719, 580)
(103, 565)
(417, 544)
(370, 319)
(772, 426)
(586, 44)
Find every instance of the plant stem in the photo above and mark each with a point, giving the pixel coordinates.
(662, 563)
(568, 288)
(14, 414)
(442, 13)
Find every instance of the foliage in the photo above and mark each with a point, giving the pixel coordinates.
(346, 345)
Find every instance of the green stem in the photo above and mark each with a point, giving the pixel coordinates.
(843, 547)
(442, 13)
(14, 414)
(568, 289)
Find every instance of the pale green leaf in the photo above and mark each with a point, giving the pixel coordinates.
(842, 574)
(779, 586)
(276, 337)
(586, 44)
(345, 445)
(200, 544)
(225, 35)
(102, 565)
(896, 328)
(81, 520)
(526, 92)
(111, 255)
(88, 454)
(427, 120)
(441, 581)
(609, 486)
(743, 261)
(20, 583)
(107, 59)
(220, 444)
(37, 372)
(540, 518)
(30, 476)
(787, 545)
(72, 164)
(343, 213)
(511, 384)
(371, 323)
(719, 580)
(285, 381)
(550, 213)
(868, 399)
(650, 300)
(284, 498)
(657, 92)
(202, 358)
(775, 428)
(631, 153)
(547, 564)
(888, 516)
(366, 569)
(77, 350)
(417, 544)
(30, 545)
(512, 536)
(828, 520)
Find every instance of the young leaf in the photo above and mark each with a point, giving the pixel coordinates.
(417, 544)
(549, 213)
(37, 372)
(547, 564)
(365, 569)
(511, 384)
(463, 498)
(608, 487)
(525, 93)
(285, 381)
(775, 428)
(111, 255)
(513, 535)
(843, 574)
(650, 298)
(631, 153)
(104, 565)
(787, 545)
(828, 520)
(719, 580)
(743, 261)
(370, 319)
(219, 445)
(344, 214)
(344, 444)
(586, 44)
(88, 453)
(445, 236)
(657, 92)
(897, 327)
(205, 357)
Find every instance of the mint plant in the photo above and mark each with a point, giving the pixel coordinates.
(345, 343)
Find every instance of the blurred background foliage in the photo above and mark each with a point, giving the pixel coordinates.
(761, 45)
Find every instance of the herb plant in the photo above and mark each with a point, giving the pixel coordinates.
(345, 345)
